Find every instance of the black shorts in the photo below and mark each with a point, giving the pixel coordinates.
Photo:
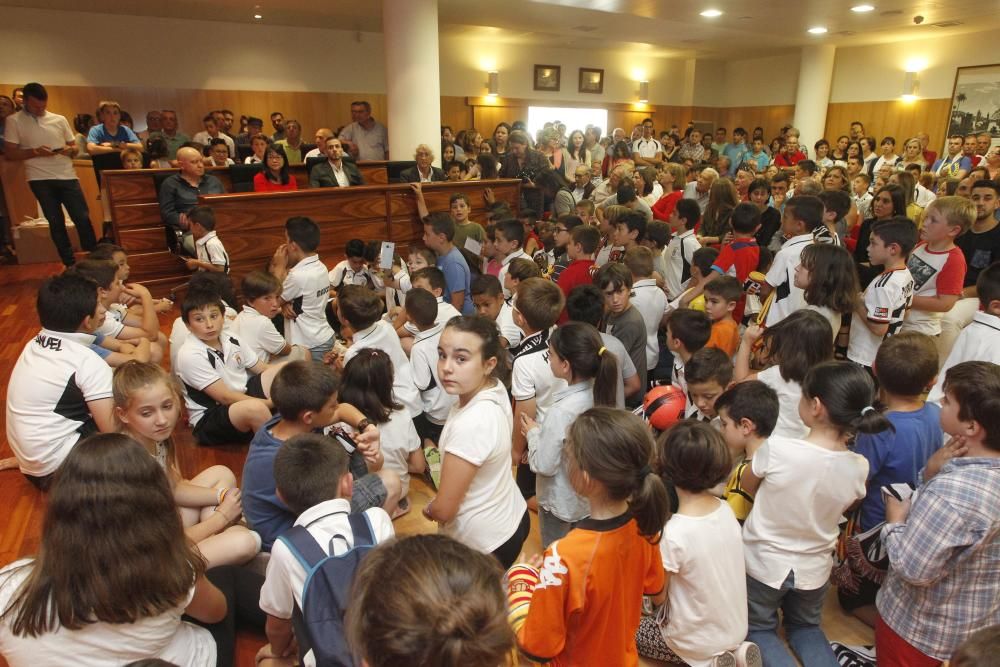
(215, 428)
(254, 387)
(426, 429)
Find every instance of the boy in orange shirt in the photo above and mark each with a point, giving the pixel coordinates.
(721, 297)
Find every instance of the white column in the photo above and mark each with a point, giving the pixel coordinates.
(412, 75)
(813, 94)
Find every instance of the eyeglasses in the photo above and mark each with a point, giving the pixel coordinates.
(561, 229)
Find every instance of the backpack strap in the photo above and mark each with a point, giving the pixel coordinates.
(303, 546)
(364, 536)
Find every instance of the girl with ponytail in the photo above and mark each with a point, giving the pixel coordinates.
(802, 487)
(578, 356)
(582, 607)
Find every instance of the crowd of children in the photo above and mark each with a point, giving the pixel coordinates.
(507, 365)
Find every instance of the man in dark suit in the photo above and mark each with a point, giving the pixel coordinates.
(336, 171)
(424, 171)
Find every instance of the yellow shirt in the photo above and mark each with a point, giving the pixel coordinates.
(739, 500)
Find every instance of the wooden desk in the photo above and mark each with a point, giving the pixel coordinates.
(251, 225)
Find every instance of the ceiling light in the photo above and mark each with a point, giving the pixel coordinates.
(818, 30)
(861, 9)
(258, 16)
(711, 13)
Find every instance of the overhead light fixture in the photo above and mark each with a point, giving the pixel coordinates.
(818, 30)
(493, 84)
(911, 84)
(711, 13)
(861, 9)
(644, 91)
(258, 16)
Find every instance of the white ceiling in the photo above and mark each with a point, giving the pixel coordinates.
(661, 27)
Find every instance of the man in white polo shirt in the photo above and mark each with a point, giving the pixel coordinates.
(647, 151)
(59, 390)
(46, 143)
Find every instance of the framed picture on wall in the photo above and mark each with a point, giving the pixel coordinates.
(547, 77)
(591, 80)
(975, 102)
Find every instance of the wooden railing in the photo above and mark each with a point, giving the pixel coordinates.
(251, 225)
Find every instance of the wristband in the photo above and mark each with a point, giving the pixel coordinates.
(221, 495)
(363, 424)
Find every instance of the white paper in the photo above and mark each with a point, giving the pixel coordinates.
(474, 246)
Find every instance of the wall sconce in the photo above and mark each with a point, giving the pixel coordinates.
(644, 91)
(910, 86)
(493, 84)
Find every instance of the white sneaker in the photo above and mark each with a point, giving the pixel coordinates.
(748, 655)
(726, 659)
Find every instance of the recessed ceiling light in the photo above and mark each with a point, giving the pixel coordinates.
(711, 13)
(861, 9)
(258, 16)
(818, 30)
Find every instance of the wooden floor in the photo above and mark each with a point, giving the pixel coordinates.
(22, 507)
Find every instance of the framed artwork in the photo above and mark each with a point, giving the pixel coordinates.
(975, 102)
(591, 80)
(547, 77)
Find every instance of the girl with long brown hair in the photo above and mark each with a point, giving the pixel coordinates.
(113, 573)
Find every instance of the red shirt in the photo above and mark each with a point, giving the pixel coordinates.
(786, 160)
(577, 272)
(738, 259)
(930, 157)
(262, 184)
(665, 205)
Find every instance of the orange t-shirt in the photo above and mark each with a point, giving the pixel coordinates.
(585, 609)
(725, 336)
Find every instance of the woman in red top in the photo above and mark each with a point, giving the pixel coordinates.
(275, 176)
(672, 177)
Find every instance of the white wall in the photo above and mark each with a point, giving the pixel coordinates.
(762, 81)
(465, 62)
(870, 73)
(79, 49)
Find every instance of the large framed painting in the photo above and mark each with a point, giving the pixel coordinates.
(591, 80)
(975, 102)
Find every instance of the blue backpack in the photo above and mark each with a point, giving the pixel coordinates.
(319, 623)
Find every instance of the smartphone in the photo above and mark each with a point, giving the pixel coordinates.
(386, 255)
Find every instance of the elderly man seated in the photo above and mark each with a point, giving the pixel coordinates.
(424, 171)
(179, 194)
(337, 171)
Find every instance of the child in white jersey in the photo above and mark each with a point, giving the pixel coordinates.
(888, 296)
(305, 287)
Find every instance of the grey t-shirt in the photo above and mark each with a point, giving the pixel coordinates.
(630, 329)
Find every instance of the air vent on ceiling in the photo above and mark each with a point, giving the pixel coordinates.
(892, 12)
(585, 28)
(946, 24)
(745, 18)
(845, 33)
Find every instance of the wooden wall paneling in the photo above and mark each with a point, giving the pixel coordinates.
(21, 203)
(458, 115)
(895, 118)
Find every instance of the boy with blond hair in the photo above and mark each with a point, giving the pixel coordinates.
(937, 264)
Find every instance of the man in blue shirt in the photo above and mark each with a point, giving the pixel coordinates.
(110, 136)
(955, 165)
(736, 150)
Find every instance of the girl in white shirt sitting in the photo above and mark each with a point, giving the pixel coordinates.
(578, 356)
(367, 385)
(114, 571)
(801, 489)
(147, 407)
(478, 502)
